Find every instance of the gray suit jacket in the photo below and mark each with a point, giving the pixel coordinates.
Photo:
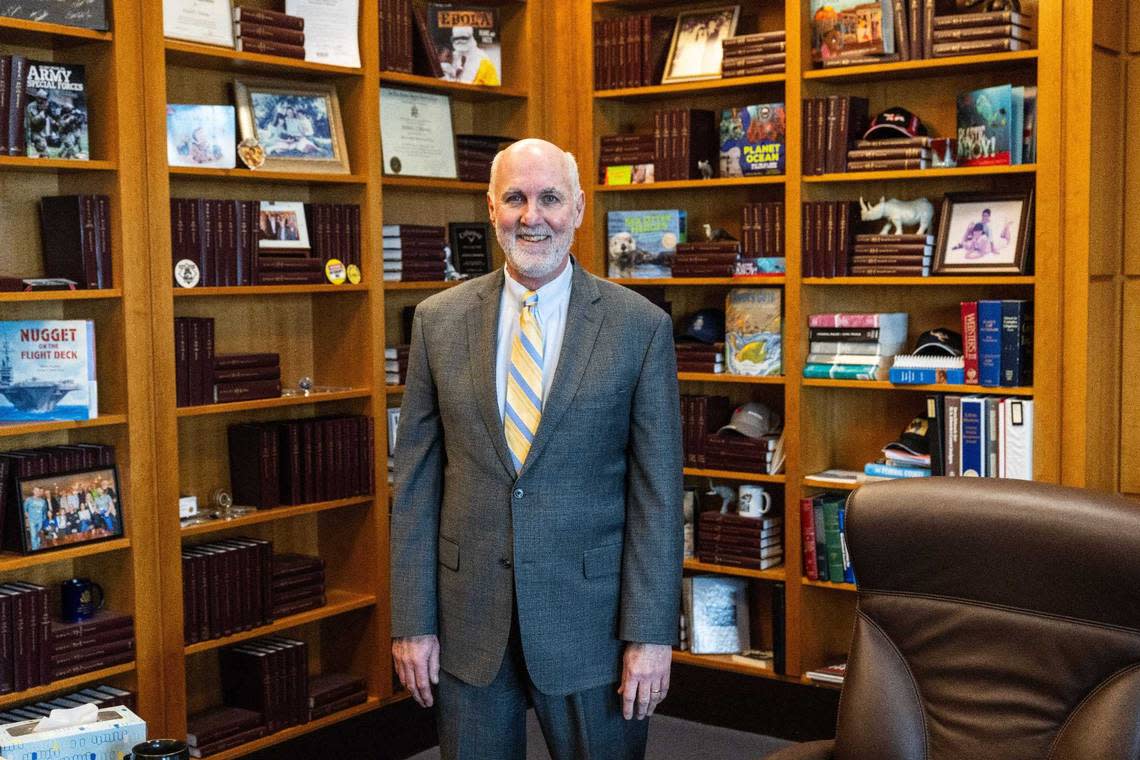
(587, 538)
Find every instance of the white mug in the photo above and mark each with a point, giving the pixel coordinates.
(753, 501)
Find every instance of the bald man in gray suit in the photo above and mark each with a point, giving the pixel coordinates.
(536, 530)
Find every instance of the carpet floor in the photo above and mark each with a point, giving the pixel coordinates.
(669, 739)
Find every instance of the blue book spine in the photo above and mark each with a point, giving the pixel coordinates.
(842, 371)
(989, 343)
(848, 571)
(879, 470)
(820, 539)
(1016, 342)
(926, 376)
(973, 437)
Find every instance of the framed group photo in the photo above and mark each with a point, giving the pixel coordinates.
(65, 510)
(984, 233)
(297, 125)
(282, 225)
(696, 51)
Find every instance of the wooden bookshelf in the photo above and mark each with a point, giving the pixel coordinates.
(193, 54)
(64, 685)
(694, 184)
(747, 477)
(884, 385)
(265, 175)
(680, 282)
(24, 164)
(685, 89)
(273, 403)
(726, 663)
(923, 174)
(40, 34)
(11, 562)
(272, 514)
(457, 90)
(270, 290)
(771, 574)
(13, 429)
(933, 281)
(61, 295)
(431, 184)
(725, 377)
(305, 728)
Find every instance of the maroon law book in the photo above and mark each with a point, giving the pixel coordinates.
(329, 687)
(247, 390)
(238, 361)
(341, 704)
(218, 723)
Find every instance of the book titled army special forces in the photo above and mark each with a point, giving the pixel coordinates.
(55, 118)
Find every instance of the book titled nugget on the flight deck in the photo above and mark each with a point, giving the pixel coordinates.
(47, 370)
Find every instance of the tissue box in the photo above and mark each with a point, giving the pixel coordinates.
(110, 737)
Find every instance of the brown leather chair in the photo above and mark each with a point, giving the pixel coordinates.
(995, 620)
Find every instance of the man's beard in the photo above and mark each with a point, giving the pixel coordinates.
(533, 261)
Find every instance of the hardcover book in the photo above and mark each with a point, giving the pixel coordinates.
(641, 244)
(200, 135)
(47, 371)
(55, 118)
(466, 41)
(990, 126)
(851, 29)
(752, 140)
(717, 609)
(754, 331)
(86, 14)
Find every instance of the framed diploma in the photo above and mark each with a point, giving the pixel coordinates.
(207, 21)
(416, 134)
(331, 30)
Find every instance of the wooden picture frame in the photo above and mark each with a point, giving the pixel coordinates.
(68, 509)
(695, 53)
(297, 124)
(984, 233)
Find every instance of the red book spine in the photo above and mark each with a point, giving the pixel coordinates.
(268, 47)
(246, 15)
(250, 31)
(970, 341)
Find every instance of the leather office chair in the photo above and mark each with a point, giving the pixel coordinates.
(995, 620)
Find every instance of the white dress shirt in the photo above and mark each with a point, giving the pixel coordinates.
(553, 302)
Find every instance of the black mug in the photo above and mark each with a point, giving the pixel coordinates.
(160, 749)
(79, 598)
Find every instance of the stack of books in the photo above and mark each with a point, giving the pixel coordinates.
(830, 124)
(834, 673)
(101, 641)
(700, 415)
(997, 343)
(301, 461)
(892, 255)
(257, 30)
(890, 154)
(333, 692)
(823, 529)
(735, 541)
(269, 676)
(334, 230)
(244, 377)
(76, 237)
(225, 587)
(908, 457)
(630, 51)
(220, 728)
(396, 364)
(474, 154)
(732, 451)
(826, 238)
(683, 138)
(298, 584)
(753, 54)
(700, 357)
(975, 33)
(414, 253)
(847, 346)
(100, 696)
(623, 156)
(762, 230)
(706, 259)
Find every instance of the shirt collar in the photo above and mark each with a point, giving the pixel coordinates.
(549, 293)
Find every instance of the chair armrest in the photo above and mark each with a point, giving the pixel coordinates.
(821, 750)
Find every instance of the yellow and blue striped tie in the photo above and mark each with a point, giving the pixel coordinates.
(523, 408)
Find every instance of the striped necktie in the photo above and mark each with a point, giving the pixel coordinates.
(523, 408)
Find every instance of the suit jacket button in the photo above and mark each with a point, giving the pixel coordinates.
(505, 562)
(519, 493)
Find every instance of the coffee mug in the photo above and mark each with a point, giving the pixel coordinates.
(160, 749)
(79, 599)
(753, 501)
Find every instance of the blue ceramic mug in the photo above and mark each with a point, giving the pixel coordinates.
(79, 599)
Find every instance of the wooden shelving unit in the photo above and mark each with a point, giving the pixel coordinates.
(836, 423)
(127, 567)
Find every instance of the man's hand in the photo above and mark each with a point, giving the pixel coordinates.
(645, 678)
(417, 665)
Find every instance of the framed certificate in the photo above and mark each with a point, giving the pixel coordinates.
(331, 30)
(416, 135)
(207, 21)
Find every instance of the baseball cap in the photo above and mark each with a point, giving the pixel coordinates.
(752, 420)
(706, 325)
(939, 342)
(915, 439)
(895, 122)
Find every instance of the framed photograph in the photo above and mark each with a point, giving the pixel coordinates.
(73, 508)
(984, 233)
(282, 225)
(200, 136)
(297, 124)
(696, 51)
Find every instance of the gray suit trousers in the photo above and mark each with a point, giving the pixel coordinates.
(489, 722)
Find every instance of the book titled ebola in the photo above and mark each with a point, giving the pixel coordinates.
(47, 370)
(466, 42)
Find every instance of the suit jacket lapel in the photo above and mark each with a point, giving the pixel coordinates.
(583, 321)
(482, 342)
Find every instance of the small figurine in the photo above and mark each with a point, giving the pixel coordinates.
(714, 235)
(897, 213)
(706, 169)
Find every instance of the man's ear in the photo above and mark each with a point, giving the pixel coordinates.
(580, 212)
(491, 206)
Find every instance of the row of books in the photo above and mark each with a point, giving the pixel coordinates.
(683, 138)
(631, 51)
(396, 364)
(474, 154)
(258, 30)
(43, 109)
(268, 676)
(997, 343)
(414, 252)
(845, 345)
(396, 42)
(101, 641)
(47, 370)
(621, 157)
(232, 242)
(700, 357)
(737, 541)
(298, 584)
(976, 33)
(201, 377)
(75, 233)
(220, 728)
(829, 249)
(753, 54)
(301, 461)
(706, 259)
(762, 229)
(823, 530)
(26, 464)
(830, 124)
(704, 447)
(103, 695)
